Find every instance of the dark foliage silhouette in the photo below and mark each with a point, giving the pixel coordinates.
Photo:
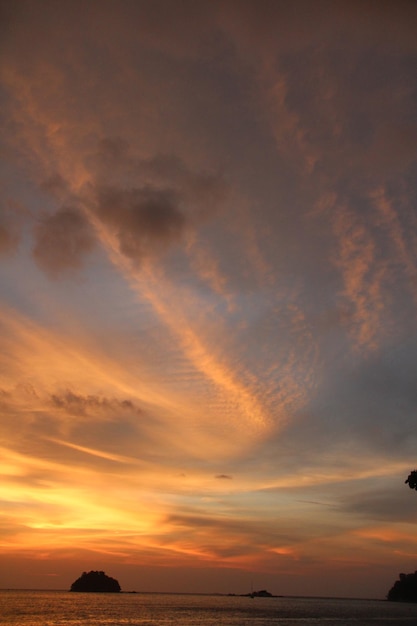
(404, 589)
(97, 582)
(412, 480)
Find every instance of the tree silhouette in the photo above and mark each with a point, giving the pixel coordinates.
(404, 589)
(412, 480)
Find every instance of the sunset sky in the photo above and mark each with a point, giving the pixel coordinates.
(208, 320)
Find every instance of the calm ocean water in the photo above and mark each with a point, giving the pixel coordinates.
(56, 608)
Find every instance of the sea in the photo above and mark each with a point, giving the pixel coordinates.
(62, 608)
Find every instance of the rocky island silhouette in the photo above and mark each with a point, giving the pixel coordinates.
(96, 582)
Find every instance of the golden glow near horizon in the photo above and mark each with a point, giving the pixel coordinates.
(208, 244)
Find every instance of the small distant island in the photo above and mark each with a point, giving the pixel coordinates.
(404, 589)
(96, 582)
(263, 593)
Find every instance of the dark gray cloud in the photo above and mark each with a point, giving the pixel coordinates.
(61, 241)
(117, 164)
(148, 204)
(145, 220)
(108, 425)
(77, 404)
